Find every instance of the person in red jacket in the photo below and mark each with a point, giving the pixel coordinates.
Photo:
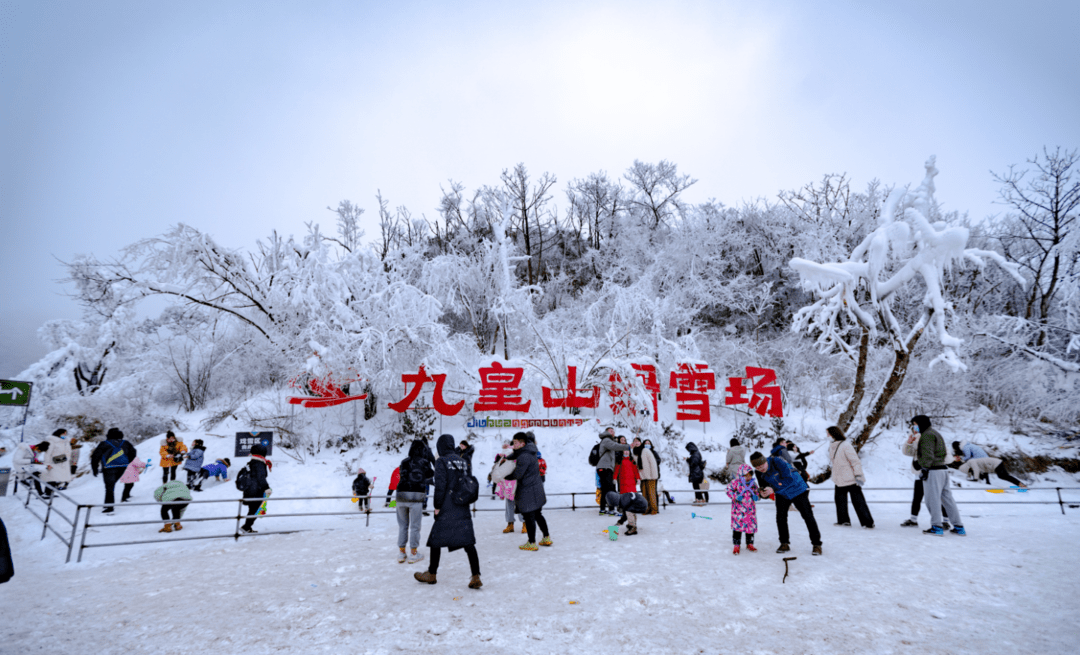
(394, 477)
(627, 475)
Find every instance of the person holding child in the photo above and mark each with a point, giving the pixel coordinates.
(743, 492)
(529, 496)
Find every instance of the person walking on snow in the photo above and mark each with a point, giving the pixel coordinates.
(847, 475)
(743, 492)
(453, 527)
(193, 463)
(910, 447)
(59, 474)
(29, 461)
(259, 468)
(784, 483)
(935, 477)
(697, 473)
(529, 496)
(414, 475)
(361, 488)
(112, 456)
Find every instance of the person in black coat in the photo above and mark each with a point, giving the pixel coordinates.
(529, 496)
(466, 450)
(112, 456)
(414, 475)
(630, 504)
(7, 568)
(453, 526)
(697, 472)
(257, 487)
(361, 487)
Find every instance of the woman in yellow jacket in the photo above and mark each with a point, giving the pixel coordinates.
(172, 453)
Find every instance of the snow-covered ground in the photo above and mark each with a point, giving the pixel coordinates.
(1009, 587)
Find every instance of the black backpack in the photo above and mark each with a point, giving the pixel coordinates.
(594, 455)
(466, 492)
(243, 479)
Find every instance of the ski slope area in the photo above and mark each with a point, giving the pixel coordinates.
(1008, 587)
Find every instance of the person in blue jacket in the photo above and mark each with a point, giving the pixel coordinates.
(779, 479)
(967, 450)
(219, 470)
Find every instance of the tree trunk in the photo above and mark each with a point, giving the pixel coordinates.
(892, 385)
(844, 422)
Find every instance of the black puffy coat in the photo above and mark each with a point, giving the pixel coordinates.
(467, 456)
(529, 494)
(697, 464)
(453, 527)
(258, 484)
(415, 467)
(628, 502)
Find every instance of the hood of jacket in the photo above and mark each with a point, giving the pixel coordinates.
(445, 445)
(691, 447)
(416, 449)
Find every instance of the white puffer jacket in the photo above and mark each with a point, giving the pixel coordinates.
(846, 465)
(59, 449)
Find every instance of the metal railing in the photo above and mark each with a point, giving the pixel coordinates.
(79, 531)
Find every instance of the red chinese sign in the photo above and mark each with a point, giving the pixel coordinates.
(572, 399)
(765, 395)
(501, 390)
(692, 383)
(417, 381)
(327, 394)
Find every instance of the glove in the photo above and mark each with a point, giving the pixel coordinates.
(860, 481)
(924, 474)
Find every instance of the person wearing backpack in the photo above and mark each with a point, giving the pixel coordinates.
(453, 528)
(112, 457)
(413, 476)
(605, 466)
(254, 484)
(529, 496)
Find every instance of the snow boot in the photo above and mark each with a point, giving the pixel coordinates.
(415, 557)
(425, 576)
(783, 548)
(509, 528)
(846, 524)
(167, 528)
(631, 530)
(909, 524)
(524, 530)
(197, 487)
(177, 527)
(736, 551)
(546, 541)
(247, 530)
(528, 545)
(959, 530)
(751, 548)
(816, 551)
(934, 531)
(401, 556)
(474, 582)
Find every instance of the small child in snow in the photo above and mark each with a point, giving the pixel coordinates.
(219, 469)
(193, 463)
(130, 477)
(361, 487)
(743, 492)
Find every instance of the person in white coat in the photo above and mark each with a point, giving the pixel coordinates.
(29, 461)
(847, 474)
(59, 457)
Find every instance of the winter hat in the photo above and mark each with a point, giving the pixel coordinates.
(361, 472)
(114, 433)
(226, 462)
(757, 459)
(922, 421)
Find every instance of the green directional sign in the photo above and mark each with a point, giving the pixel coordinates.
(15, 394)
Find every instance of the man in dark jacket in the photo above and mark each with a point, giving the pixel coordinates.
(453, 526)
(776, 476)
(697, 473)
(931, 455)
(414, 475)
(529, 496)
(258, 488)
(112, 457)
(605, 468)
(630, 504)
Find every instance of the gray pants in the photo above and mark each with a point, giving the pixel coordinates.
(937, 495)
(408, 524)
(510, 505)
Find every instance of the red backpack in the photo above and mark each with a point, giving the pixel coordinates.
(543, 467)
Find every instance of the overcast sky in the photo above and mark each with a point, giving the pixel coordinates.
(119, 119)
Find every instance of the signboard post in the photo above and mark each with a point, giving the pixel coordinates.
(16, 394)
(245, 440)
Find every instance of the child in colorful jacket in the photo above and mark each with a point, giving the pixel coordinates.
(219, 469)
(130, 477)
(193, 463)
(743, 492)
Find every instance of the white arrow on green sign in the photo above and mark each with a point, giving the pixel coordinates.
(15, 394)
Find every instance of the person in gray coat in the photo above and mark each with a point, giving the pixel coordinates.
(529, 496)
(605, 468)
(453, 528)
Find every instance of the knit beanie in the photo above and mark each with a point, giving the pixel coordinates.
(757, 459)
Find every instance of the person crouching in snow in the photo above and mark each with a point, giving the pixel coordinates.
(361, 487)
(219, 470)
(130, 477)
(170, 494)
(630, 504)
(193, 463)
(743, 492)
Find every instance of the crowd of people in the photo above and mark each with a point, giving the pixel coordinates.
(518, 475)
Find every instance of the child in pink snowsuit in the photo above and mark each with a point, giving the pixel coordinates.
(743, 492)
(130, 477)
